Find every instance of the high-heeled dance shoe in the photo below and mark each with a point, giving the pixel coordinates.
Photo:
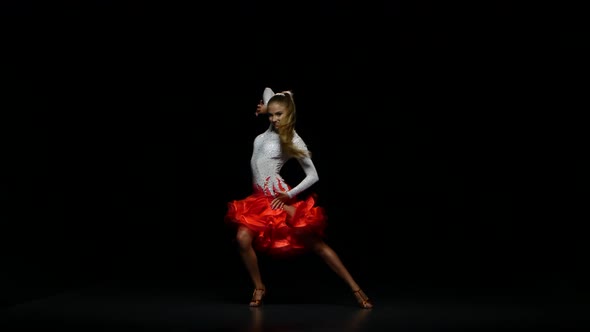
(257, 300)
(362, 299)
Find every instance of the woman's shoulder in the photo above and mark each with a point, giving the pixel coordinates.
(296, 136)
(298, 141)
(263, 134)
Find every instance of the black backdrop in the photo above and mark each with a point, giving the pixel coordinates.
(439, 168)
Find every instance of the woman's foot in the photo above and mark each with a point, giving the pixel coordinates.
(362, 299)
(257, 297)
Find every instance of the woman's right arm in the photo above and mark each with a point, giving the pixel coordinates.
(261, 108)
(266, 95)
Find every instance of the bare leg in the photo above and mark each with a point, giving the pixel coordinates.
(245, 237)
(334, 262)
(290, 209)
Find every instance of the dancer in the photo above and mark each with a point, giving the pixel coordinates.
(277, 218)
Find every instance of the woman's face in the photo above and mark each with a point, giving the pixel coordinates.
(276, 113)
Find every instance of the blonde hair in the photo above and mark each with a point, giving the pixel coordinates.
(287, 129)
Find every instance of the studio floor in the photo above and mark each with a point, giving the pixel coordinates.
(121, 308)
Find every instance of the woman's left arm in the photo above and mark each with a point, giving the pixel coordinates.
(311, 177)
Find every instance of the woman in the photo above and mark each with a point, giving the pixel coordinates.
(274, 219)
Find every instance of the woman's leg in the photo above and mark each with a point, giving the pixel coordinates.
(244, 238)
(331, 258)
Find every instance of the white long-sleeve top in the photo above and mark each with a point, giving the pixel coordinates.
(268, 159)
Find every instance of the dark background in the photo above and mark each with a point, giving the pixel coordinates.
(450, 159)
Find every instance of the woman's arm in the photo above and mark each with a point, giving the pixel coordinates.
(261, 108)
(311, 177)
(266, 95)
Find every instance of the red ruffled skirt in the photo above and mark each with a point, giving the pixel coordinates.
(277, 233)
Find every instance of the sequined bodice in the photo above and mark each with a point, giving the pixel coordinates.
(268, 159)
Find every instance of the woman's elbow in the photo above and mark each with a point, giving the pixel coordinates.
(315, 178)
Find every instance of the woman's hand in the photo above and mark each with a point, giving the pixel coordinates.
(283, 197)
(280, 202)
(260, 108)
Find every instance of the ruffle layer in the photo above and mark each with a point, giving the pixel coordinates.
(277, 232)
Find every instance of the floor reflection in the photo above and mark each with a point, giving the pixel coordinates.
(355, 321)
(256, 315)
(358, 319)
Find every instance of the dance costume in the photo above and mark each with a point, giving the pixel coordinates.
(277, 233)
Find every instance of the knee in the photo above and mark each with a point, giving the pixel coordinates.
(244, 239)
